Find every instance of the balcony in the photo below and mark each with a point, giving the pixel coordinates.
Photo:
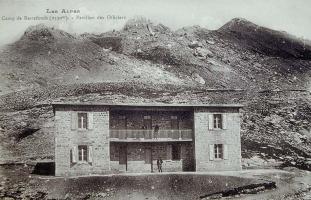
(150, 136)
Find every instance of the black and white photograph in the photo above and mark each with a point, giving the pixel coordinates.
(155, 100)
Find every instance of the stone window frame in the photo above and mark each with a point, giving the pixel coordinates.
(217, 121)
(75, 157)
(214, 151)
(86, 121)
(222, 122)
(218, 151)
(84, 156)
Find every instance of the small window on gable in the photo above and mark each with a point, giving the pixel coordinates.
(82, 120)
(82, 151)
(218, 151)
(217, 121)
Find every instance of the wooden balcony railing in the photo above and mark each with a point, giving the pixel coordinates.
(185, 134)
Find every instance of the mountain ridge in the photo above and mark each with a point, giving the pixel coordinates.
(267, 41)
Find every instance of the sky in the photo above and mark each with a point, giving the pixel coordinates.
(292, 16)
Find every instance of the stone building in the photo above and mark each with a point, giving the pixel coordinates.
(113, 138)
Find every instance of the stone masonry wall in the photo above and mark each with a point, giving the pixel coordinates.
(67, 139)
(204, 137)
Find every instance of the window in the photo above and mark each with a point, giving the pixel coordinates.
(217, 121)
(81, 154)
(82, 120)
(82, 150)
(218, 151)
(175, 152)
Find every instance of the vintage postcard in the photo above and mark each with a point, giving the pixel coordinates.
(111, 99)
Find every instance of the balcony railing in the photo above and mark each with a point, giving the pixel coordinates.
(185, 134)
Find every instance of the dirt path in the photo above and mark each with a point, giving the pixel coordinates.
(292, 184)
(16, 181)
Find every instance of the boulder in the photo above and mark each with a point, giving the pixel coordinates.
(195, 44)
(202, 52)
(198, 78)
(210, 42)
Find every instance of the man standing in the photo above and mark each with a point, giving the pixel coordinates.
(159, 164)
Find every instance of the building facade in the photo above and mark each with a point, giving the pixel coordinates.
(103, 139)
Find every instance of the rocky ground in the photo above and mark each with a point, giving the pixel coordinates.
(291, 184)
(17, 182)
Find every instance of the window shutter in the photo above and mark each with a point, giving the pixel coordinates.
(224, 121)
(210, 121)
(90, 154)
(90, 120)
(225, 151)
(74, 120)
(211, 152)
(74, 154)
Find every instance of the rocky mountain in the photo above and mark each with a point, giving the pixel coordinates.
(266, 70)
(225, 58)
(45, 56)
(266, 41)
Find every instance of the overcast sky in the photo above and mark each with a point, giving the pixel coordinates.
(292, 16)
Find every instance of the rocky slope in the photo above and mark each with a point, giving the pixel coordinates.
(218, 59)
(265, 41)
(46, 56)
(267, 70)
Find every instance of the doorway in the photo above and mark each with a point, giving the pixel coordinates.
(148, 158)
(123, 155)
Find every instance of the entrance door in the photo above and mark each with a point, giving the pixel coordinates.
(148, 157)
(123, 156)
